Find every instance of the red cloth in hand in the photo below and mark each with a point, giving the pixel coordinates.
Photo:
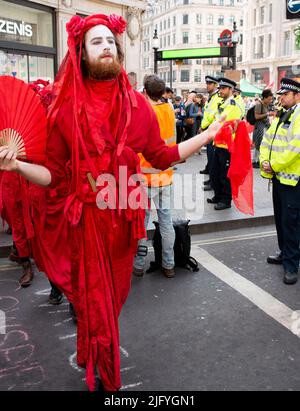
(240, 172)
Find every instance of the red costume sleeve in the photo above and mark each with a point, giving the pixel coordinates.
(57, 156)
(156, 151)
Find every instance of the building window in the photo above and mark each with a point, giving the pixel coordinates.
(210, 38)
(210, 19)
(184, 76)
(269, 45)
(199, 38)
(287, 43)
(185, 37)
(185, 19)
(270, 13)
(199, 18)
(262, 15)
(197, 76)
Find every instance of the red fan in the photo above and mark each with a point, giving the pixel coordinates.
(23, 122)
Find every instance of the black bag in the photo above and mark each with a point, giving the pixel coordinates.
(251, 115)
(182, 248)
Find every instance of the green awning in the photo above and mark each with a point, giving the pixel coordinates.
(248, 89)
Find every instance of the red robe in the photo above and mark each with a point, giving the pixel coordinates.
(51, 245)
(103, 242)
(15, 210)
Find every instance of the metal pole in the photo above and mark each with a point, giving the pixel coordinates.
(171, 74)
(155, 61)
(234, 56)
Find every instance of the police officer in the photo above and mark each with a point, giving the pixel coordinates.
(221, 162)
(209, 116)
(280, 162)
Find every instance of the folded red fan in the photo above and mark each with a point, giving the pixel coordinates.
(23, 122)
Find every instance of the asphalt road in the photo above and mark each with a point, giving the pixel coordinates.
(232, 326)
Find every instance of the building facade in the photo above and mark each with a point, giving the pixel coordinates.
(269, 43)
(183, 24)
(33, 38)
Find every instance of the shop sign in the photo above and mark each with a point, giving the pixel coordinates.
(15, 28)
(292, 9)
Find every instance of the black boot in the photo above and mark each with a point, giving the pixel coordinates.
(56, 296)
(275, 259)
(290, 278)
(72, 313)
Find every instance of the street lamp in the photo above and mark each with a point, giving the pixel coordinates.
(155, 48)
(235, 42)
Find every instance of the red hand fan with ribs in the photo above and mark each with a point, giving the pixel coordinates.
(23, 122)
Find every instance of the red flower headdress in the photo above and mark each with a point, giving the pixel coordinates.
(78, 26)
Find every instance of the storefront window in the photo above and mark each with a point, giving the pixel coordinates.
(25, 25)
(292, 72)
(26, 67)
(261, 77)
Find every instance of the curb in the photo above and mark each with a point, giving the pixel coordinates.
(199, 228)
(215, 226)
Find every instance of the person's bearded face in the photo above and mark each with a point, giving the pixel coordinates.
(101, 55)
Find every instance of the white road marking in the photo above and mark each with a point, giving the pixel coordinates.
(10, 268)
(263, 300)
(65, 337)
(127, 387)
(58, 311)
(127, 369)
(43, 292)
(236, 238)
(124, 352)
(48, 305)
(63, 322)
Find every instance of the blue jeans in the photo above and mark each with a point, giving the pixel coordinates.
(161, 197)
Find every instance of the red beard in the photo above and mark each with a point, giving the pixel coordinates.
(102, 70)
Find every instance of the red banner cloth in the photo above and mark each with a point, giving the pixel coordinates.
(240, 172)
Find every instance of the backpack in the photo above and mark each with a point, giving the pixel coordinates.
(251, 115)
(182, 248)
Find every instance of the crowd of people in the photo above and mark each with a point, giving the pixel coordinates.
(61, 212)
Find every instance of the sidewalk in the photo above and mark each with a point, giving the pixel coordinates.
(212, 220)
(207, 220)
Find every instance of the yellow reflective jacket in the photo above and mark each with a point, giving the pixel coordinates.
(232, 111)
(166, 120)
(211, 110)
(281, 147)
(240, 103)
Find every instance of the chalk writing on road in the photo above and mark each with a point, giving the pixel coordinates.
(18, 368)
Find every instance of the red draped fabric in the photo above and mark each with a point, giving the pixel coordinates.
(99, 127)
(241, 171)
(15, 210)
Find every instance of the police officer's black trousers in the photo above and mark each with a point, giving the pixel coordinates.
(210, 150)
(286, 200)
(219, 171)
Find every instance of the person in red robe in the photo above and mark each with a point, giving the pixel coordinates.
(99, 124)
(15, 210)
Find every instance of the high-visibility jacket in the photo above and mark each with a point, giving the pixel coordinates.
(281, 147)
(240, 103)
(232, 111)
(166, 120)
(211, 110)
